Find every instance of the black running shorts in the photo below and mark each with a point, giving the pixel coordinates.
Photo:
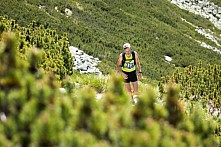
(131, 76)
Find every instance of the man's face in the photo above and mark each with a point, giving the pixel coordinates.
(127, 51)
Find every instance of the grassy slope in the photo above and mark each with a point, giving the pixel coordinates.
(217, 2)
(154, 29)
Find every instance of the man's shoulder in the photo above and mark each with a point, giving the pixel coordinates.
(122, 53)
(134, 52)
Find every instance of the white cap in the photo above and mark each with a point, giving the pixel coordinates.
(126, 45)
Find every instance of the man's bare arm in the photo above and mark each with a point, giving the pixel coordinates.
(119, 63)
(119, 67)
(138, 62)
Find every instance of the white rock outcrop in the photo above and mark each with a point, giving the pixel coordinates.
(207, 34)
(203, 8)
(83, 62)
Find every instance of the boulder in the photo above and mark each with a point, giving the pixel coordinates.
(83, 67)
(68, 12)
(167, 58)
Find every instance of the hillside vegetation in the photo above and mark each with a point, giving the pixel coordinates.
(43, 102)
(154, 29)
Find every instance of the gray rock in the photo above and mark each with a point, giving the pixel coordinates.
(96, 59)
(83, 72)
(68, 12)
(73, 50)
(168, 58)
(83, 67)
(91, 70)
(218, 16)
(79, 53)
(75, 68)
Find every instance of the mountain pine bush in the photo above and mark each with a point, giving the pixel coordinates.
(55, 57)
(199, 83)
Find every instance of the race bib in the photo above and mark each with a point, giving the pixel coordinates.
(129, 65)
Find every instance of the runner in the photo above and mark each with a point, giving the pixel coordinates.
(127, 62)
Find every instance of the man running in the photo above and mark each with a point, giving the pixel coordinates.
(126, 65)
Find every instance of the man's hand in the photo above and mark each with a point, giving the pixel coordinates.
(124, 75)
(140, 76)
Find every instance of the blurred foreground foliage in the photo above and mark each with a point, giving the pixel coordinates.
(33, 112)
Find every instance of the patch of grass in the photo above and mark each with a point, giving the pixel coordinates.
(99, 83)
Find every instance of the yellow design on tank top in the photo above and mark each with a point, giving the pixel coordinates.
(129, 64)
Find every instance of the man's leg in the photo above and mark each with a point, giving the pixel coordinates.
(134, 96)
(135, 87)
(127, 85)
